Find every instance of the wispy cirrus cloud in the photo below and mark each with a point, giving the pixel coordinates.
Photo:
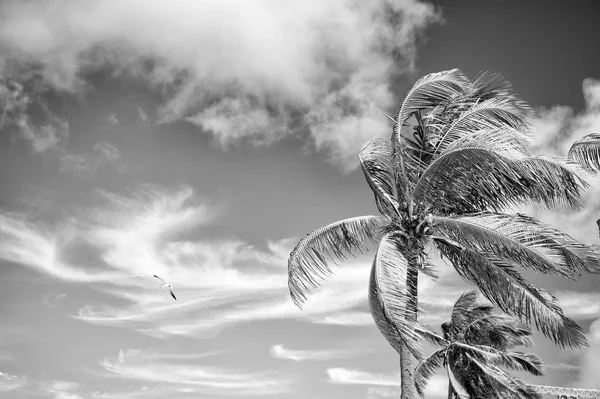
(281, 352)
(255, 70)
(86, 164)
(199, 379)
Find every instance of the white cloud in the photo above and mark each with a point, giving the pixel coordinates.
(590, 360)
(557, 128)
(258, 69)
(135, 365)
(580, 305)
(10, 382)
(385, 385)
(281, 352)
(339, 375)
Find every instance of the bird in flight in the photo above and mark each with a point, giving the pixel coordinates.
(165, 284)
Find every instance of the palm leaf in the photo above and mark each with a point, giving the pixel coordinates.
(514, 360)
(586, 152)
(507, 142)
(502, 285)
(308, 262)
(523, 240)
(506, 381)
(397, 294)
(474, 179)
(428, 91)
(426, 369)
(383, 323)
(496, 112)
(376, 163)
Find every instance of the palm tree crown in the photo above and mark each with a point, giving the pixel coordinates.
(458, 159)
(476, 343)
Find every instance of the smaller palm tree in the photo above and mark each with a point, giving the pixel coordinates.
(476, 346)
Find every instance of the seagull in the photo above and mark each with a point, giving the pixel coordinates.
(165, 284)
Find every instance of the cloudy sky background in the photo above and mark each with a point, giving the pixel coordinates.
(198, 140)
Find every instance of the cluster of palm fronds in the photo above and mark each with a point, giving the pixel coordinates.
(459, 157)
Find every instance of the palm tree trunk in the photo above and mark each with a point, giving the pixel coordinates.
(407, 378)
(450, 391)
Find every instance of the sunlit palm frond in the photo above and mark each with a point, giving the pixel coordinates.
(476, 179)
(586, 152)
(506, 381)
(507, 142)
(470, 180)
(431, 89)
(495, 112)
(430, 336)
(376, 163)
(520, 239)
(426, 369)
(308, 262)
(502, 285)
(376, 306)
(551, 181)
(491, 356)
(398, 292)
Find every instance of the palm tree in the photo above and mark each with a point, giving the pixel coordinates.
(459, 155)
(476, 343)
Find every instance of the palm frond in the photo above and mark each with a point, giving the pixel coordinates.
(308, 262)
(502, 285)
(453, 379)
(397, 292)
(383, 323)
(507, 142)
(426, 369)
(469, 179)
(488, 84)
(586, 152)
(491, 356)
(430, 90)
(506, 381)
(461, 311)
(496, 112)
(551, 181)
(520, 239)
(430, 336)
(376, 163)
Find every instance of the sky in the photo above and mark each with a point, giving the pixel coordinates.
(199, 140)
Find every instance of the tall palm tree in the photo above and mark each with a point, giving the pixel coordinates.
(458, 156)
(476, 343)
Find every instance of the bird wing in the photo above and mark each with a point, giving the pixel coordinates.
(160, 279)
(172, 293)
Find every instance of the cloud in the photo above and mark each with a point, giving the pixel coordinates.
(10, 382)
(590, 360)
(257, 70)
(135, 365)
(385, 385)
(45, 133)
(339, 375)
(87, 164)
(580, 305)
(280, 352)
(142, 114)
